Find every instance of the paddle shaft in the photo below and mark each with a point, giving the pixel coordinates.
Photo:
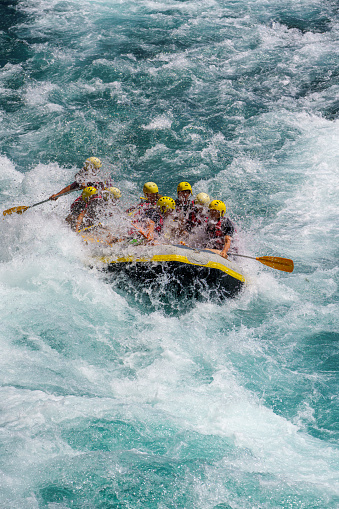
(48, 199)
(22, 208)
(39, 203)
(275, 262)
(241, 256)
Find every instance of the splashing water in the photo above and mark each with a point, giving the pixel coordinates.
(106, 401)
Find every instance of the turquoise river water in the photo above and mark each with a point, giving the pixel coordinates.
(110, 403)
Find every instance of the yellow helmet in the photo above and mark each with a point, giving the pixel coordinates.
(88, 192)
(150, 188)
(92, 163)
(184, 186)
(218, 205)
(166, 203)
(111, 193)
(202, 199)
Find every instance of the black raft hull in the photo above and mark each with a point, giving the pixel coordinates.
(176, 270)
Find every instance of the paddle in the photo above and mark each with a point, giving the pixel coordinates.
(275, 262)
(22, 208)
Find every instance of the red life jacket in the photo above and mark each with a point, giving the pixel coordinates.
(159, 223)
(195, 218)
(185, 206)
(148, 211)
(79, 204)
(141, 208)
(216, 232)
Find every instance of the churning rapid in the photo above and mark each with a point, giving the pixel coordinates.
(106, 402)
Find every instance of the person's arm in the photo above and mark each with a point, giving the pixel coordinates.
(79, 220)
(66, 189)
(226, 247)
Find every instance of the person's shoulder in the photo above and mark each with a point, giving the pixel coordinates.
(96, 200)
(76, 202)
(227, 226)
(152, 213)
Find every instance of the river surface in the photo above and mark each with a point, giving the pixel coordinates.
(106, 402)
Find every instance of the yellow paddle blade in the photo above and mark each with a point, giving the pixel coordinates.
(18, 210)
(277, 263)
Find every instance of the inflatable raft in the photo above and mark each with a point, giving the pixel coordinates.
(196, 272)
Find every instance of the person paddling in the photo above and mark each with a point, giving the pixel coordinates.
(88, 176)
(219, 229)
(85, 211)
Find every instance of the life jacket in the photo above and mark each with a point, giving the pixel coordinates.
(195, 218)
(216, 232)
(154, 215)
(147, 212)
(139, 210)
(181, 206)
(80, 204)
(215, 235)
(214, 229)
